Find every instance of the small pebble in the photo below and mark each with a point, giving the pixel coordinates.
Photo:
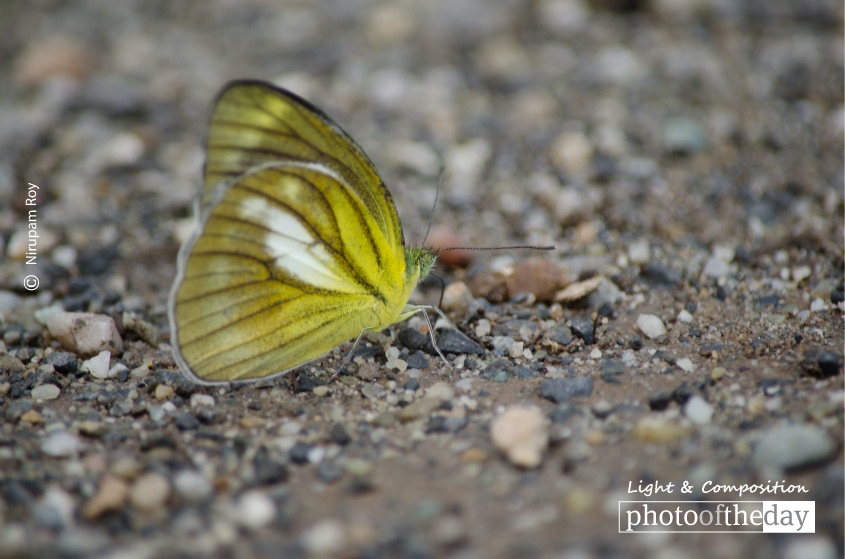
(698, 410)
(192, 486)
(163, 392)
(61, 444)
(564, 389)
(686, 364)
(254, 509)
(326, 538)
(659, 430)
(321, 390)
(32, 417)
(790, 447)
(419, 409)
(198, 400)
(98, 365)
(85, 333)
(684, 316)
(111, 496)
(482, 328)
(149, 492)
(522, 434)
(651, 325)
(46, 392)
(583, 328)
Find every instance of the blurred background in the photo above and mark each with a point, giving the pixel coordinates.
(625, 131)
(574, 122)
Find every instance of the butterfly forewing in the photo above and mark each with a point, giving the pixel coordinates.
(254, 124)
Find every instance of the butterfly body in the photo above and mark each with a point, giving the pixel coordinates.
(299, 246)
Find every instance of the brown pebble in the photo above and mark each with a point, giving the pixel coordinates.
(31, 417)
(252, 421)
(164, 391)
(111, 495)
(473, 455)
(442, 237)
(539, 276)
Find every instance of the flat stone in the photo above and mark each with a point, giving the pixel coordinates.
(790, 447)
(564, 389)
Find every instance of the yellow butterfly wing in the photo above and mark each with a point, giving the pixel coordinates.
(299, 247)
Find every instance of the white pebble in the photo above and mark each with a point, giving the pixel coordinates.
(818, 305)
(698, 410)
(254, 510)
(801, 273)
(46, 392)
(639, 252)
(516, 349)
(149, 492)
(85, 333)
(192, 485)
(198, 400)
(522, 434)
(651, 325)
(61, 444)
(98, 365)
(686, 364)
(327, 538)
(502, 343)
(482, 328)
(684, 316)
(596, 354)
(116, 369)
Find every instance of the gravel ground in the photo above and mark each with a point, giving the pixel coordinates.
(685, 157)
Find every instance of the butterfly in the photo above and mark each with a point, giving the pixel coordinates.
(299, 246)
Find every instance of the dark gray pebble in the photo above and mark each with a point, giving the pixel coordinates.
(418, 360)
(635, 342)
(560, 334)
(306, 382)
(15, 409)
(611, 369)
(328, 471)
(185, 421)
(269, 469)
(453, 341)
(524, 372)
(562, 412)
(660, 275)
(563, 389)
(121, 408)
(412, 384)
(583, 328)
(339, 435)
(299, 453)
(443, 424)
(822, 363)
(208, 415)
(412, 339)
(660, 400)
(766, 301)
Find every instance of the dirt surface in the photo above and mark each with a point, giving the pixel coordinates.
(688, 153)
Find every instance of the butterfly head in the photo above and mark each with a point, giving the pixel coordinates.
(419, 261)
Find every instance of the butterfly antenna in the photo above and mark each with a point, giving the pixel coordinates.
(529, 247)
(434, 206)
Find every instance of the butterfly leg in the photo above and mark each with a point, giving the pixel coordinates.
(349, 355)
